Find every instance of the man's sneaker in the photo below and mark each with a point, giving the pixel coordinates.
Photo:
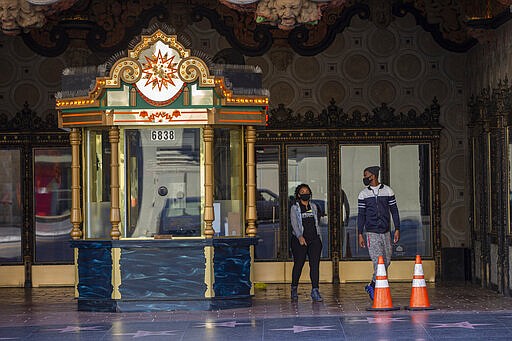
(315, 295)
(294, 294)
(369, 290)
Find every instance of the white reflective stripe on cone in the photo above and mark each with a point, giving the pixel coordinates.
(417, 283)
(381, 270)
(418, 270)
(381, 283)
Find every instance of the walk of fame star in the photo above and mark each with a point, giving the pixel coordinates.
(464, 324)
(300, 329)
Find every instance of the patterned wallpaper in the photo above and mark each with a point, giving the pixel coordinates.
(401, 66)
(366, 66)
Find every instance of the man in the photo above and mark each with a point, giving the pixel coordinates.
(375, 203)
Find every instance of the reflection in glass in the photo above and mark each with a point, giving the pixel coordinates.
(267, 202)
(228, 191)
(353, 160)
(163, 182)
(52, 193)
(410, 180)
(309, 165)
(10, 207)
(98, 187)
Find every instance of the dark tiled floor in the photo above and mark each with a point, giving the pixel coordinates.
(463, 312)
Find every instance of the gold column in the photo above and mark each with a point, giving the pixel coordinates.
(76, 211)
(251, 215)
(208, 182)
(115, 214)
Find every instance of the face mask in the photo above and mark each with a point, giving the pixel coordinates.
(304, 197)
(366, 181)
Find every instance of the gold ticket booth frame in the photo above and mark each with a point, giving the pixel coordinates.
(163, 178)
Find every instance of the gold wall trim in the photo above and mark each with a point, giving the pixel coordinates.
(53, 275)
(350, 271)
(12, 276)
(281, 272)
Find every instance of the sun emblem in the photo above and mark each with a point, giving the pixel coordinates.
(159, 71)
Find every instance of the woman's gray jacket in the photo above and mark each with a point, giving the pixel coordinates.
(296, 219)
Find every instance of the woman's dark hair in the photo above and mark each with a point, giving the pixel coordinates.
(298, 188)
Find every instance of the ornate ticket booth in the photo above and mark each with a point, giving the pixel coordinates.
(163, 178)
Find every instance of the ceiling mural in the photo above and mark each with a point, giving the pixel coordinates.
(23, 15)
(285, 14)
(252, 27)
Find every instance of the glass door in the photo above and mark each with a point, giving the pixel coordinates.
(11, 213)
(52, 204)
(267, 202)
(308, 165)
(409, 177)
(353, 160)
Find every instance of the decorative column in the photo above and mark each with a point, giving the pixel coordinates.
(208, 182)
(251, 215)
(76, 211)
(115, 214)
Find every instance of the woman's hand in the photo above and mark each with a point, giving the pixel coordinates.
(302, 241)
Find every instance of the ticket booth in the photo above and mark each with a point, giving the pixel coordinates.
(163, 178)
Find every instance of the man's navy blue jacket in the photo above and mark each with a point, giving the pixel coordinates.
(374, 208)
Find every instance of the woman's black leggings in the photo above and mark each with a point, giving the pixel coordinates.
(313, 250)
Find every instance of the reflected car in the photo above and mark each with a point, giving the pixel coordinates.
(267, 205)
(181, 221)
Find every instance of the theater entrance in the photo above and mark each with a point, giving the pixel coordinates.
(330, 157)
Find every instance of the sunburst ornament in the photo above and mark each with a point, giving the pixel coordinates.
(160, 82)
(160, 70)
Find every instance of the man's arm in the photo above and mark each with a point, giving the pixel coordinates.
(361, 219)
(396, 217)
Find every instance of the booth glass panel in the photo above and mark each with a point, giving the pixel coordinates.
(411, 183)
(52, 204)
(353, 160)
(309, 165)
(163, 174)
(228, 188)
(11, 213)
(267, 202)
(98, 185)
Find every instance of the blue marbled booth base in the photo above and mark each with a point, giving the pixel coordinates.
(163, 275)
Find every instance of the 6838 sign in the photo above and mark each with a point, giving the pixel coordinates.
(162, 135)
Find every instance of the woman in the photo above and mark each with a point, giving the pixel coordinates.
(305, 240)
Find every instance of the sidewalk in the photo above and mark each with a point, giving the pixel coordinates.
(463, 311)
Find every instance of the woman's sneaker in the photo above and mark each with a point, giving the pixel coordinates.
(369, 290)
(294, 294)
(315, 295)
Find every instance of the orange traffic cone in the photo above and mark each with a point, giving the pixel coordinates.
(382, 296)
(419, 297)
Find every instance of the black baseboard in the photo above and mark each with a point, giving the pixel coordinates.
(456, 264)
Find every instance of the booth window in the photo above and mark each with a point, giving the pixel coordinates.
(163, 182)
(228, 192)
(11, 213)
(98, 188)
